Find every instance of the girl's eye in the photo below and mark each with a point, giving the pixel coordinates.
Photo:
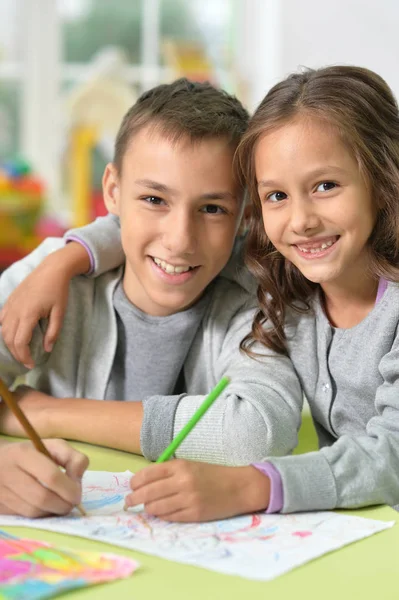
(154, 200)
(277, 196)
(326, 186)
(213, 209)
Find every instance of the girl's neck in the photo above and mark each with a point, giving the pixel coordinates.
(346, 306)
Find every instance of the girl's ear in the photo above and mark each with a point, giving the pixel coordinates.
(111, 190)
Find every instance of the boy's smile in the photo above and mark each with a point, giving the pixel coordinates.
(173, 274)
(179, 210)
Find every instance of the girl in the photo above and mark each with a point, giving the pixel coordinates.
(321, 159)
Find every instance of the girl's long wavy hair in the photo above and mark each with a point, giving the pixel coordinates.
(362, 109)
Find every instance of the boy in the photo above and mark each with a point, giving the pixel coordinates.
(161, 330)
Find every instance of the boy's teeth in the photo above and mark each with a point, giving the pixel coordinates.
(314, 250)
(170, 269)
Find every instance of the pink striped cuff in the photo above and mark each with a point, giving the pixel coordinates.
(276, 486)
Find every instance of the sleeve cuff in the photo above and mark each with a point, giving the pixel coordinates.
(308, 482)
(72, 238)
(157, 426)
(276, 501)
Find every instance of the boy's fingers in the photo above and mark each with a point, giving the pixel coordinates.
(22, 339)
(74, 462)
(8, 331)
(76, 466)
(53, 328)
(37, 498)
(44, 470)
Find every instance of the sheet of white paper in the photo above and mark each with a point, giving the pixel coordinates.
(256, 546)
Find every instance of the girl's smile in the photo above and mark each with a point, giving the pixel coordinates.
(317, 248)
(317, 209)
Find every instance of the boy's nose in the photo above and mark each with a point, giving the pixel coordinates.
(180, 236)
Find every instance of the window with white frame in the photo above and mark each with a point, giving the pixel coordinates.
(47, 47)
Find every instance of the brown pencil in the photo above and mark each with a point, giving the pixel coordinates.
(13, 405)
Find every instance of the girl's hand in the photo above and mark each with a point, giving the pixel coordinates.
(181, 490)
(43, 294)
(31, 485)
(36, 406)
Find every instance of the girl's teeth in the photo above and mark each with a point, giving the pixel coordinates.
(170, 269)
(315, 250)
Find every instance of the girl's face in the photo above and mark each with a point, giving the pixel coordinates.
(317, 210)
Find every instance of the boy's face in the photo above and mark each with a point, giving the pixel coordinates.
(179, 210)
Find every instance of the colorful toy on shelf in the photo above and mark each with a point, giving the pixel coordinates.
(22, 197)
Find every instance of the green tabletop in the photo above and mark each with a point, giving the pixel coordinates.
(367, 569)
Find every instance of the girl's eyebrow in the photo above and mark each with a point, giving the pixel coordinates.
(318, 172)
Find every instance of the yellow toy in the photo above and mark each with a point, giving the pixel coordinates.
(95, 110)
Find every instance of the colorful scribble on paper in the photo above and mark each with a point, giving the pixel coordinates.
(256, 546)
(35, 570)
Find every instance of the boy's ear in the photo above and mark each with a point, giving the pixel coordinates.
(246, 215)
(111, 191)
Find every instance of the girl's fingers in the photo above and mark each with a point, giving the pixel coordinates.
(152, 492)
(183, 515)
(149, 475)
(166, 506)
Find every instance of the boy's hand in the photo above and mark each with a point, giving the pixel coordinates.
(181, 490)
(43, 294)
(37, 409)
(31, 485)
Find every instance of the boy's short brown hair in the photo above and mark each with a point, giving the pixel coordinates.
(183, 109)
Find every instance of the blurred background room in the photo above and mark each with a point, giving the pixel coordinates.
(69, 70)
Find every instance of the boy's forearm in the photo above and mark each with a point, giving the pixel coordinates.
(101, 422)
(73, 258)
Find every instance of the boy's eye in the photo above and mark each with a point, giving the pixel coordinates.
(277, 196)
(326, 186)
(153, 200)
(213, 209)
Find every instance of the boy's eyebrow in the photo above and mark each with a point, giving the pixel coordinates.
(155, 185)
(218, 196)
(164, 189)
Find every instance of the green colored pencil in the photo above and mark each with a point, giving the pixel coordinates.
(209, 400)
(170, 450)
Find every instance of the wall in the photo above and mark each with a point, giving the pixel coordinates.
(316, 33)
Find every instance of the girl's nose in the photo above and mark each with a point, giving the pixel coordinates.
(303, 216)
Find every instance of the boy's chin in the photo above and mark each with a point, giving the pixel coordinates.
(170, 304)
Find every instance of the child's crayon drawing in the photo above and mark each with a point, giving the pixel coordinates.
(35, 570)
(256, 546)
